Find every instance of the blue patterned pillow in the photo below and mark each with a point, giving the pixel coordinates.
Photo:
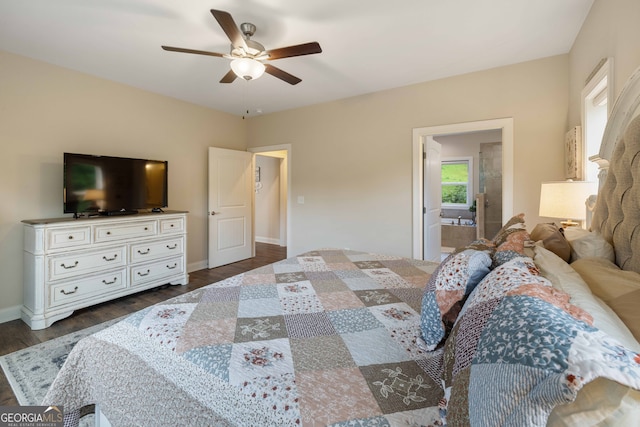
(450, 284)
(520, 337)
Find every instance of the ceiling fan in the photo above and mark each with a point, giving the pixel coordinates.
(247, 55)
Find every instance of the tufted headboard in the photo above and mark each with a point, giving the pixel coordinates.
(617, 211)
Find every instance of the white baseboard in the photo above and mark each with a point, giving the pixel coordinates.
(270, 240)
(10, 313)
(198, 265)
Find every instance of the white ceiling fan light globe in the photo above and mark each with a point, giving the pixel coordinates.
(247, 68)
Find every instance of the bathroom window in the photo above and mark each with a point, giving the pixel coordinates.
(456, 177)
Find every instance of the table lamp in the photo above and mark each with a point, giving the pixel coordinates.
(566, 199)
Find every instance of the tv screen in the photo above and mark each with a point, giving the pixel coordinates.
(104, 185)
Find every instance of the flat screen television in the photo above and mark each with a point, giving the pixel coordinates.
(113, 185)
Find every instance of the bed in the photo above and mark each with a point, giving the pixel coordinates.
(502, 332)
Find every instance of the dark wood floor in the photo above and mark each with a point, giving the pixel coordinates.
(16, 335)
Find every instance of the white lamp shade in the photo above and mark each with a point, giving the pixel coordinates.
(247, 68)
(565, 199)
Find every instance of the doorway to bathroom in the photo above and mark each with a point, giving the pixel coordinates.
(424, 245)
(471, 183)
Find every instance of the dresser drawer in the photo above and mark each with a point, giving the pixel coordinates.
(157, 270)
(91, 287)
(111, 232)
(173, 225)
(64, 238)
(159, 249)
(84, 262)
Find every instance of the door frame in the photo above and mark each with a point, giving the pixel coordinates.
(419, 136)
(285, 214)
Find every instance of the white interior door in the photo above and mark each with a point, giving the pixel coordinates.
(230, 206)
(432, 199)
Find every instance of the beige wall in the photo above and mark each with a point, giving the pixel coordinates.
(351, 159)
(46, 110)
(611, 29)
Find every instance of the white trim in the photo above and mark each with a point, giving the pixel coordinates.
(198, 265)
(419, 134)
(10, 313)
(269, 240)
(592, 89)
(289, 211)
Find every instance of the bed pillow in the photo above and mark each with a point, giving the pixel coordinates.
(510, 240)
(602, 401)
(587, 244)
(562, 276)
(520, 337)
(552, 239)
(619, 289)
(448, 287)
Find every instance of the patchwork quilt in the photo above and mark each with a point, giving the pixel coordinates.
(325, 338)
(334, 338)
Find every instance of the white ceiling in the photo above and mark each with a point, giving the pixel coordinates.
(368, 45)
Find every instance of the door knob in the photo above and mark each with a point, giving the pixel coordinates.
(213, 213)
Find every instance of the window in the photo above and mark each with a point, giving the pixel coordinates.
(456, 175)
(596, 106)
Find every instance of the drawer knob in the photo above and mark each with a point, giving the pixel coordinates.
(70, 237)
(144, 274)
(171, 267)
(146, 228)
(115, 279)
(144, 252)
(70, 292)
(115, 256)
(172, 247)
(67, 267)
(171, 225)
(108, 233)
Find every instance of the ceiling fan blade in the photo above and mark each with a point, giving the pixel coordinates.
(197, 52)
(230, 28)
(229, 77)
(282, 75)
(297, 50)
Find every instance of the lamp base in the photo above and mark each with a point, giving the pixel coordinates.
(569, 223)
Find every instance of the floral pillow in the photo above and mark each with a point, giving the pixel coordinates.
(509, 241)
(519, 337)
(450, 284)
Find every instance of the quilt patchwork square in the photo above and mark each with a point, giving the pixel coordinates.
(212, 358)
(258, 359)
(221, 294)
(320, 353)
(399, 387)
(373, 297)
(339, 300)
(373, 347)
(353, 320)
(308, 325)
(260, 328)
(198, 334)
(258, 279)
(328, 397)
(258, 291)
(291, 277)
(301, 304)
(259, 307)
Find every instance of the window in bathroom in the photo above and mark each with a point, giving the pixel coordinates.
(456, 177)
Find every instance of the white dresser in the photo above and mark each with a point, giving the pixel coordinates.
(74, 263)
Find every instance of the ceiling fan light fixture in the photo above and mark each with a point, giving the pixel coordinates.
(247, 68)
